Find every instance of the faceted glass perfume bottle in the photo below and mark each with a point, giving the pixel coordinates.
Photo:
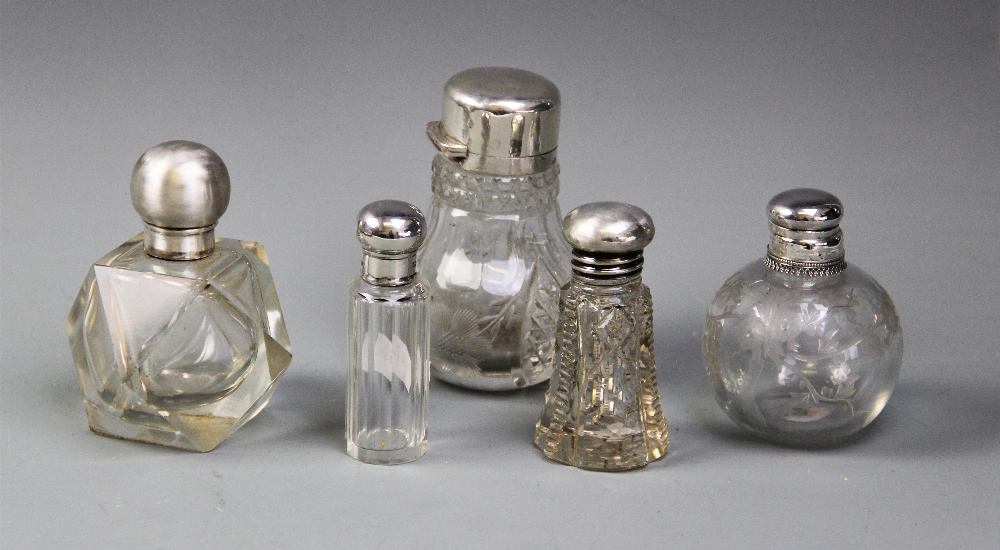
(177, 335)
(602, 408)
(494, 257)
(389, 365)
(801, 347)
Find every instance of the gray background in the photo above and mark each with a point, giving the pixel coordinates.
(699, 112)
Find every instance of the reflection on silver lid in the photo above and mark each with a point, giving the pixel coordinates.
(498, 120)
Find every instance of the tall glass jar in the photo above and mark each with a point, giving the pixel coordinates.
(494, 256)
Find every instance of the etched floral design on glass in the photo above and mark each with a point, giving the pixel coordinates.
(802, 360)
(495, 262)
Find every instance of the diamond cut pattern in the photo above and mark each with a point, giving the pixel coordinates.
(493, 194)
(602, 409)
(178, 353)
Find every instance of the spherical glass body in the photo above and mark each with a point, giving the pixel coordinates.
(802, 360)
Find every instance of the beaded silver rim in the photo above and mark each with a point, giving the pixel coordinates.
(804, 269)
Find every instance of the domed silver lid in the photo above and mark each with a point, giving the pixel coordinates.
(390, 232)
(806, 238)
(180, 190)
(498, 120)
(805, 209)
(608, 239)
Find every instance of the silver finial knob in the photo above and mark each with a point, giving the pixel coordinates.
(180, 189)
(608, 239)
(806, 238)
(390, 232)
(498, 120)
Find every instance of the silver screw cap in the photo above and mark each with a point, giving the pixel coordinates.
(608, 239)
(390, 232)
(806, 238)
(805, 209)
(498, 120)
(180, 189)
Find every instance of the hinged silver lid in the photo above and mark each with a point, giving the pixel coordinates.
(498, 120)
(390, 232)
(806, 238)
(608, 239)
(180, 189)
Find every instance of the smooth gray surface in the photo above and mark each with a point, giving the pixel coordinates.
(698, 112)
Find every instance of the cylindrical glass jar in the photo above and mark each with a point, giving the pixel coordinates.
(387, 382)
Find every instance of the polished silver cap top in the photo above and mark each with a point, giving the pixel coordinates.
(180, 189)
(608, 239)
(498, 120)
(608, 227)
(390, 232)
(390, 227)
(806, 209)
(806, 238)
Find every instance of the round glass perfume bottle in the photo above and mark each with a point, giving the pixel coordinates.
(494, 256)
(801, 347)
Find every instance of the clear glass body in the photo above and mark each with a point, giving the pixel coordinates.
(602, 410)
(178, 353)
(495, 259)
(389, 371)
(802, 360)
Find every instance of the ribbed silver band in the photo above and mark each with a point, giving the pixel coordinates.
(596, 266)
(804, 269)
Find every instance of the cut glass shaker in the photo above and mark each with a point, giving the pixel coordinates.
(602, 408)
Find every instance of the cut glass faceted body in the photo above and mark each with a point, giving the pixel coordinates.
(602, 410)
(177, 353)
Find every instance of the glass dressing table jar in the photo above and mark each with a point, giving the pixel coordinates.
(494, 256)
